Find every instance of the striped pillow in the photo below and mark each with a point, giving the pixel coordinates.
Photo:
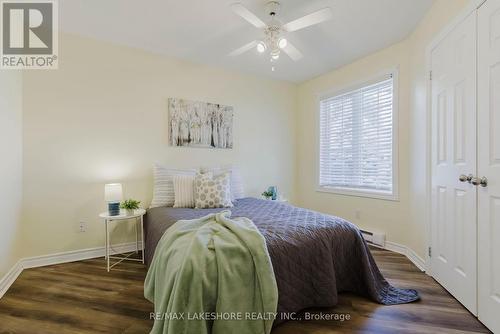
(184, 191)
(163, 190)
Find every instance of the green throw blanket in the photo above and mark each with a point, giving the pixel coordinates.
(212, 275)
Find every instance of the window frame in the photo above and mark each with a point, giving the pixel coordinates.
(347, 191)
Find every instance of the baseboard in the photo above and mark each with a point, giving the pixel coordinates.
(91, 253)
(57, 258)
(77, 255)
(10, 277)
(408, 252)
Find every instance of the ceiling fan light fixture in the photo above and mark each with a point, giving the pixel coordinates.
(282, 43)
(261, 47)
(274, 30)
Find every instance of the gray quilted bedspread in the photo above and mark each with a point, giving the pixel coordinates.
(314, 256)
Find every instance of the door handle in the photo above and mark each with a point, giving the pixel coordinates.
(465, 178)
(483, 182)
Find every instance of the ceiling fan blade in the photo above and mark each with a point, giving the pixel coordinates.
(319, 16)
(243, 49)
(242, 11)
(292, 52)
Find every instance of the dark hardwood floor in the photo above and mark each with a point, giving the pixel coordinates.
(81, 297)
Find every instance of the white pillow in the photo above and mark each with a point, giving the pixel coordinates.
(184, 191)
(237, 190)
(163, 190)
(213, 191)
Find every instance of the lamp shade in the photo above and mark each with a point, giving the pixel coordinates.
(113, 192)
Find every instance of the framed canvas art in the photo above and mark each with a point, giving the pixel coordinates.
(200, 124)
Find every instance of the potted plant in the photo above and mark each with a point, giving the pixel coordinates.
(130, 205)
(268, 194)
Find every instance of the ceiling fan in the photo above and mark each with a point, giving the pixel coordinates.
(274, 31)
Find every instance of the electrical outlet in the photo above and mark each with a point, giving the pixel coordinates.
(357, 214)
(82, 227)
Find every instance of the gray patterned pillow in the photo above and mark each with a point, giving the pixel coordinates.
(213, 192)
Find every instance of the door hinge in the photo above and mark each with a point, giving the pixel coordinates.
(430, 252)
(430, 75)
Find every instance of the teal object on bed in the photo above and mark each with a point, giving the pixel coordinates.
(213, 264)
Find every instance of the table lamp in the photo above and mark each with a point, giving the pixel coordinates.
(113, 194)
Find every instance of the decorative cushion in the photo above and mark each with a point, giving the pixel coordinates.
(184, 191)
(237, 190)
(163, 190)
(213, 191)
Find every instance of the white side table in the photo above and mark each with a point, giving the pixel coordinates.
(138, 216)
(280, 200)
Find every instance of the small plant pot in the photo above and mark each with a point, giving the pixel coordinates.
(130, 212)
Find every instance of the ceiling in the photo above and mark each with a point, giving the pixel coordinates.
(206, 31)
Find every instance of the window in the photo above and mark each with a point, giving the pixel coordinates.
(357, 141)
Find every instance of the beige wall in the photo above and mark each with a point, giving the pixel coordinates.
(102, 117)
(403, 221)
(10, 167)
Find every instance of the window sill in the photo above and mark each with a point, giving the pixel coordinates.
(360, 193)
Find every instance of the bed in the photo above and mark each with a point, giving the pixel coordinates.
(314, 256)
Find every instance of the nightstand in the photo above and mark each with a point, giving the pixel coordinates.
(138, 217)
(280, 200)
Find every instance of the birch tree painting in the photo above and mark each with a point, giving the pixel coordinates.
(199, 124)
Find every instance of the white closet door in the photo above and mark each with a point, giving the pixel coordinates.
(489, 164)
(453, 226)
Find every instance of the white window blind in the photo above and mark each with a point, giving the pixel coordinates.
(356, 139)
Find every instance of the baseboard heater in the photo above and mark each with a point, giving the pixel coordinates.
(377, 239)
